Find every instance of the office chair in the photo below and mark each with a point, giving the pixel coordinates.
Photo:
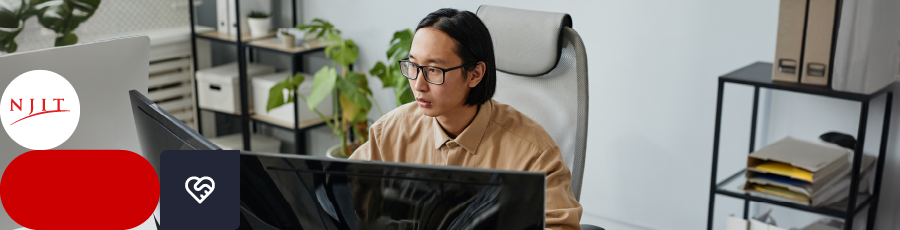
(542, 72)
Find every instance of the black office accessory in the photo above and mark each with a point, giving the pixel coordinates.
(841, 139)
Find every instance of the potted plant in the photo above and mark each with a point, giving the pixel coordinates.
(63, 17)
(287, 39)
(390, 73)
(350, 123)
(259, 23)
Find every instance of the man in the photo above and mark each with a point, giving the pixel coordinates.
(454, 121)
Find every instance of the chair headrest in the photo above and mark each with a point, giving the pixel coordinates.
(526, 42)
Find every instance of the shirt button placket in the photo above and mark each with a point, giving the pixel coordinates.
(452, 150)
(445, 153)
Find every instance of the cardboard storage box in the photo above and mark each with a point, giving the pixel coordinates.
(218, 89)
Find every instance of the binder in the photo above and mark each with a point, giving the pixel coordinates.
(789, 45)
(818, 42)
(864, 61)
(222, 16)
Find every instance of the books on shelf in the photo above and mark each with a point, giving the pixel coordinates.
(809, 173)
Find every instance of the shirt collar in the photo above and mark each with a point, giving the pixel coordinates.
(471, 137)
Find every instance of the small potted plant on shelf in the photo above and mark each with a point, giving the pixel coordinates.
(287, 39)
(259, 23)
(355, 100)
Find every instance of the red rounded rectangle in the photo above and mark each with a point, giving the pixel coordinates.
(99, 189)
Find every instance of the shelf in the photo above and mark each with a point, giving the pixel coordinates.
(287, 125)
(760, 74)
(275, 45)
(236, 113)
(228, 38)
(730, 187)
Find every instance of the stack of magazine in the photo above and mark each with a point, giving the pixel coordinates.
(804, 172)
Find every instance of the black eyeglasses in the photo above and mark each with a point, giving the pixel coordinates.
(411, 70)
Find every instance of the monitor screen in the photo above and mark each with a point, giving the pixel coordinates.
(321, 193)
(286, 191)
(159, 131)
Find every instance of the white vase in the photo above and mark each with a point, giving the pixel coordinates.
(334, 152)
(259, 26)
(287, 41)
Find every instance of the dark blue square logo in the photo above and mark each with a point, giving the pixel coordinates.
(200, 189)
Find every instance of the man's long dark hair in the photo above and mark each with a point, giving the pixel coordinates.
(473, 45)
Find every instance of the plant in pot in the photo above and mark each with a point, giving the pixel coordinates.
(390, 73)
(287, 39)
(259, 23)
(63, 17)
(351, 88)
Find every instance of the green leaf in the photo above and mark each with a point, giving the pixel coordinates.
(297, 81)
(392, 50)
(67, 39)
(8, 18)
(398, 78)
(276, 96)
(404, 95)
(64, 16)
(353, 88)
(400, 45)
(323, 85)
(352, 111)
(344, 52)
(360, 81)
(382, 72)
(323, 27)
(11, 24)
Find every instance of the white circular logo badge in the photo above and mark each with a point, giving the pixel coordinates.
(39, 110)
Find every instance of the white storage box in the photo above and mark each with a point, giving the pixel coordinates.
(258, 143)
(218, 90)
(284, 114)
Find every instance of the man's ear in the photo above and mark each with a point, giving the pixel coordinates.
(477, 74)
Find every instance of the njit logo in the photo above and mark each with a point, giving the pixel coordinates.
(31, 113)
(43, 110)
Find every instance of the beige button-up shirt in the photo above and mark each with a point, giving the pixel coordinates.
(499, 138)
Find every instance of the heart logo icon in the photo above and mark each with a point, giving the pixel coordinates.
(199, 187)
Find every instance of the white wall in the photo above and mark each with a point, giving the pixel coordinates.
(653, 67)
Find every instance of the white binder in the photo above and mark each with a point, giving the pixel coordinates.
(222, 23)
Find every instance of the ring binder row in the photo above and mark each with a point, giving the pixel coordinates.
(805, 42)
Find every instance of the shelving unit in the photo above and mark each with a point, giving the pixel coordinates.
(249, 120)
(759, 75)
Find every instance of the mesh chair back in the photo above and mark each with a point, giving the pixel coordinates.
(555, 95)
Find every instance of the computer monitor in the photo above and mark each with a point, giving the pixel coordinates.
(100, 72)
(157, 130)
(349, 194)
(286, 191)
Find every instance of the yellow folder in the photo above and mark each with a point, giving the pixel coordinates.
(785, 170)
(777, 191)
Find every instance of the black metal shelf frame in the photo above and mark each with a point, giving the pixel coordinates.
(242, 48)
(759, 76)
